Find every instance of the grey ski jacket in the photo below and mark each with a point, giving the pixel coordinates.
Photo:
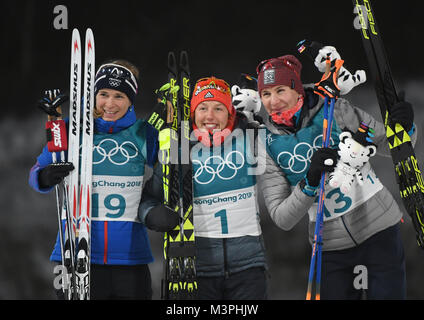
(287, 203)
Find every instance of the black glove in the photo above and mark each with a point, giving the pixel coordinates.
(318, 165)
(161, 219)
(53, 174)
(51, 100)
(402, 112)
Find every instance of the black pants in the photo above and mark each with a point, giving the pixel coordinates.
(250, 284)
(380, 259)
(111, 282)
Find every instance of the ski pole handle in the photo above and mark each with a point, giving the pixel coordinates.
(328, 86)
(57, 140)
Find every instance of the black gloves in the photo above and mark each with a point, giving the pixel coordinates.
(161, 219)
(51, 100)
(402, 113)
(53, 174)
(318, 165)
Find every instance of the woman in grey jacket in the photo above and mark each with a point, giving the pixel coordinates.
(364, 231)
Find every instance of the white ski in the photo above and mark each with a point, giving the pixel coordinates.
(84, 222)
(73, 156)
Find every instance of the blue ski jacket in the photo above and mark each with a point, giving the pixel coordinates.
(121, 149)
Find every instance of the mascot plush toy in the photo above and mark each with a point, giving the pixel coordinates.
(246, 97)
(346, 80)
(355, 150)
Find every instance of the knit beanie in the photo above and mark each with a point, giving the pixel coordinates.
(283, 70)
(213, 89)
(117, 77)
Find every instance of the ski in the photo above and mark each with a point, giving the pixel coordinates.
(186, 181)
(179, 280)
(82, 268)
(73, 156)
(407, 172)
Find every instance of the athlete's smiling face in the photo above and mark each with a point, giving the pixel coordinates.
(112, 104)
(279, 98)
(211, 116)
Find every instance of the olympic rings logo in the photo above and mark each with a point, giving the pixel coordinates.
(227, 163)
(115, 153)
(298, 161)
(114, 82)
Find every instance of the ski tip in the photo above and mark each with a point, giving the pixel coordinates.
(171, 58)
(89, 42)
(183, 58)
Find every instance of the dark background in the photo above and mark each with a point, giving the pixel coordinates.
(222, 39)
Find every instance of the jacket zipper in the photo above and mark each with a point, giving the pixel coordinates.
(105, 243)
(348, 232)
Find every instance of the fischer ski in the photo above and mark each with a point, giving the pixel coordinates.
(186, 182)
(407, 172)
(179, 247)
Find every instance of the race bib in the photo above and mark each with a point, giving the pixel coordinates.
(337, 203)
(116, 198)
(227, 214)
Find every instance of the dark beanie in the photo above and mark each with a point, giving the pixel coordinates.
(283, 70)
(117, 77)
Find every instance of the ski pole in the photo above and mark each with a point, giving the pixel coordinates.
(328, 89)
(57, 142)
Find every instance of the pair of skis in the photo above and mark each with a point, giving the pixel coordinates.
(76, 206)
(407, 172)
(80, 183)
(179, 280)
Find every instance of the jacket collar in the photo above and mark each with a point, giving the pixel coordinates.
(116, 126)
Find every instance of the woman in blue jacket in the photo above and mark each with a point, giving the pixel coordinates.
(123, 145)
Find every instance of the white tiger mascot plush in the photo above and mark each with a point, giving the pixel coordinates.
(346, 80)
(354, 151)
(246, 97)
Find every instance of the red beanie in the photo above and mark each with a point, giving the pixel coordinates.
(283, 70)
(213, 89)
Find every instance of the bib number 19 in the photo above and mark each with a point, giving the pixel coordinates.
(115, 203)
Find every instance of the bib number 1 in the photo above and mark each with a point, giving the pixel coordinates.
(222, 214)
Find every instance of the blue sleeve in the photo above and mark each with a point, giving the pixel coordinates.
(43, 160)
